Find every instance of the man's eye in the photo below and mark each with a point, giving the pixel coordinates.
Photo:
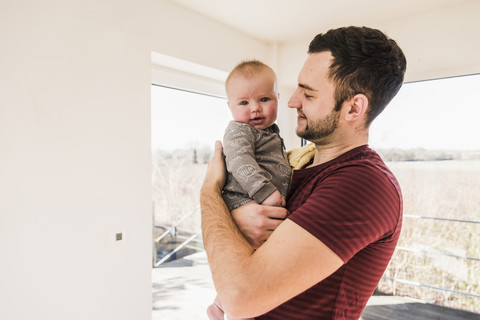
(307, 96)
(244, 103)
(264, 99)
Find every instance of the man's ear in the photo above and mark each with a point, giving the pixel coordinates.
(357, 107)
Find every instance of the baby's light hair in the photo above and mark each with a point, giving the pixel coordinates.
(249, 68)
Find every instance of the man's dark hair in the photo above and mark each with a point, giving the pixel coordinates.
(365, 61)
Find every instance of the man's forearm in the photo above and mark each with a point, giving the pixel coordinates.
(227, 250)
(237, 276)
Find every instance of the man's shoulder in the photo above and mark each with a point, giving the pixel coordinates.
(360, 165)
(360, 158)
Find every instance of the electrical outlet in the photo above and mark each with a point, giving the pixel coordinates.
(117, 237)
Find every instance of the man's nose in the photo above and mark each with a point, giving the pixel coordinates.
(294, 101)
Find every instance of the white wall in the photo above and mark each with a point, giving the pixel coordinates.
(75, 164)
(186, 35)
(75, 161)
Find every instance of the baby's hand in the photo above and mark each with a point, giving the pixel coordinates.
(275, 199)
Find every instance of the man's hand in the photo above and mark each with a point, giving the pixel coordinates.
(257, 222)
(216, 173)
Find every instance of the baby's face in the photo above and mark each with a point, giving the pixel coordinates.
(253, 99)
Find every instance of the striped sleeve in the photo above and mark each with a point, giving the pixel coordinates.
(351, 208)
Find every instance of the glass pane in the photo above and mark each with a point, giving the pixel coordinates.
(436, 114)
(184, 126)
(186, 120)
(429, 137)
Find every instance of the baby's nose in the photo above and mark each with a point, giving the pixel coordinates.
(255, 107)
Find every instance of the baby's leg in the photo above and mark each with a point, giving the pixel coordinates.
(214, 311)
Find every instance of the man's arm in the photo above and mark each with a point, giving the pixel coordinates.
(257, 222)
(250, 283)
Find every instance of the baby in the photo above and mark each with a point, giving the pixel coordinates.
(257, 165)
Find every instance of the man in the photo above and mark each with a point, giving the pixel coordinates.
(326, 258)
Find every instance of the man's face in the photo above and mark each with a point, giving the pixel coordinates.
(314, 100)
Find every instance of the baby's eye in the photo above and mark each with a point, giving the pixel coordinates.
(244, 103)
(264, 99)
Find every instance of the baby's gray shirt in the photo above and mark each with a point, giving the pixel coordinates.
(256, 162)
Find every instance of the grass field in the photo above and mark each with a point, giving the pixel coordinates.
(443, 189)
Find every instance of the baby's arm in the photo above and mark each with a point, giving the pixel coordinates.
(240, 159)
(275, 199)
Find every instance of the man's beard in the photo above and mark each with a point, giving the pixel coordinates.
(316, 131)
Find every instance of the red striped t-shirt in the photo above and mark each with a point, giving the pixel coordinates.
(353, 204)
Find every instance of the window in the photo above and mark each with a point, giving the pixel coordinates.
(436, 114)
(429, 137)
(184, 126)
(183, 120)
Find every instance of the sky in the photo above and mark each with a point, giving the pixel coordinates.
(436, 114)
(183, 119)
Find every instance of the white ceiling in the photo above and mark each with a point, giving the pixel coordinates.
(283, 20)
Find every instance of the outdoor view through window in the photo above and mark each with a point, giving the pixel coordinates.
(428, 136)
